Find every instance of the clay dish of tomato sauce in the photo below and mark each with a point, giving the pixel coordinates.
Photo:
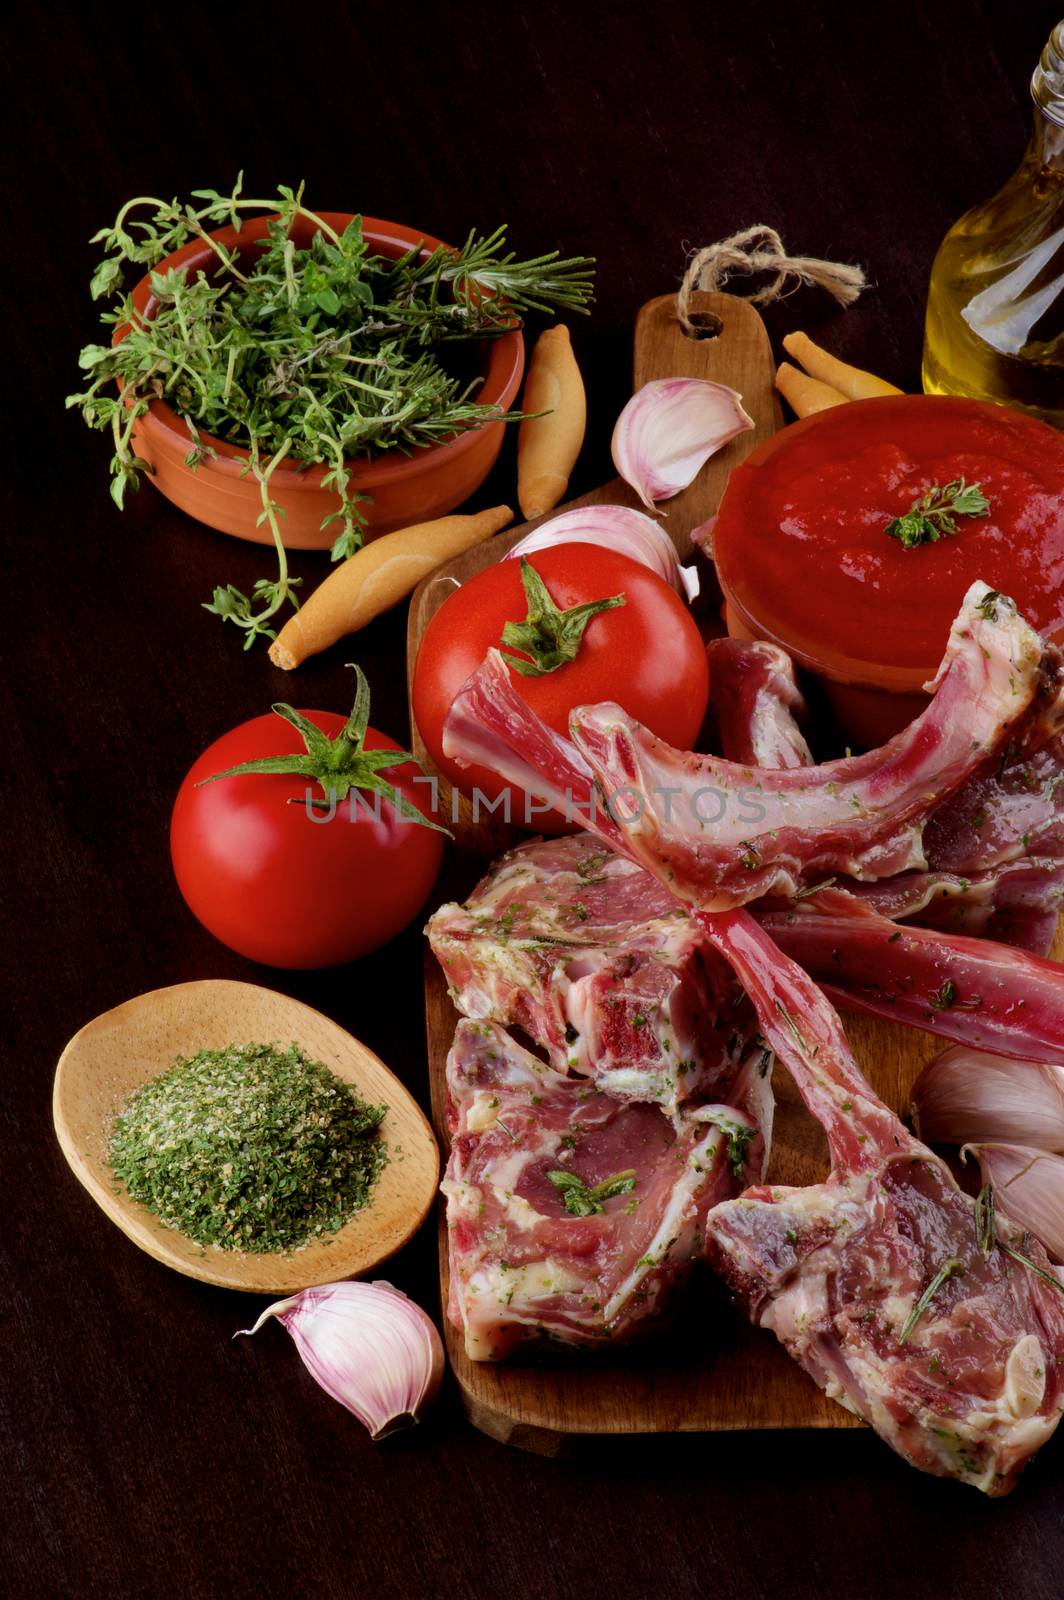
(805, 561)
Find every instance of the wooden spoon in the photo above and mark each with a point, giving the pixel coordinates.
(119, 1050)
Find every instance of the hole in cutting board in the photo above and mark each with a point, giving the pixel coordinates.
(705, 325)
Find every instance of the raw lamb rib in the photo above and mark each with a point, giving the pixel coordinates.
(1002, 815)
(601, 966)
(1017, 903)
(591, 1253)
(970, 990)
(720, 834)
(755, 701)
(879, 1280)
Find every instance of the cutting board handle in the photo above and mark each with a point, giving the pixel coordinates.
(739, 355)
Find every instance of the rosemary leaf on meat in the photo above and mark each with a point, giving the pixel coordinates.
(954, 1267)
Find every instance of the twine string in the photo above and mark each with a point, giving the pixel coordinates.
(760, 249)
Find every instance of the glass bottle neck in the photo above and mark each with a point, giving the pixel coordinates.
(1047, 91)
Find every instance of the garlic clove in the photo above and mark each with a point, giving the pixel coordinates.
(368, 1346)
(1028, 1189)
(966, 1095)
(620, 528)
(668, 431)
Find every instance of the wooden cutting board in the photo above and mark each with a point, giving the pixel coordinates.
(710, 1371)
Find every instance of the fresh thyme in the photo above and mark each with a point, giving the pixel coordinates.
(582, 1200)
(323, 354)
(935, 513)
(249, 1148)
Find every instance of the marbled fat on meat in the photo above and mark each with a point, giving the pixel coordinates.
(521, 1265)
(601, 966)
(877, 1281)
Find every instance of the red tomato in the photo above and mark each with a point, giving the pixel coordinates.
(647, 655)
(285, 890)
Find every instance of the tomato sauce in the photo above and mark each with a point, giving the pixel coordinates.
(804, 559)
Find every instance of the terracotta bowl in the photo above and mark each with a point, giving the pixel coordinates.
(427, 483)
(874, 676)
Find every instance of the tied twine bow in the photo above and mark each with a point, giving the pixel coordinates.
(760, 249)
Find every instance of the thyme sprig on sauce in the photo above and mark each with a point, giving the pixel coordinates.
(320, 354)
(935, 513)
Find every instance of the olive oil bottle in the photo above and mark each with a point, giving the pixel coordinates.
(995, 309)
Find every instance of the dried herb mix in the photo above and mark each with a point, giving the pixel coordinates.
(251, 1148)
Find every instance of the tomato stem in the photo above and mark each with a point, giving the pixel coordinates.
(549, 637)
(339, 764)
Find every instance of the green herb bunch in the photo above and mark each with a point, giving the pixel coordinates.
(324, 354)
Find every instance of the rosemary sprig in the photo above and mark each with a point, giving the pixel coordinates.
(986, 1234)
(323, 354)
(935, 513)
(954, 1267)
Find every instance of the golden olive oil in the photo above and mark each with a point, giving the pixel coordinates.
(995, 308)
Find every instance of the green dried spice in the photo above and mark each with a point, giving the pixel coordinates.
(249, 1148)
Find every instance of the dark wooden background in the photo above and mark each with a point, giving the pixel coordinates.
(143, 1452)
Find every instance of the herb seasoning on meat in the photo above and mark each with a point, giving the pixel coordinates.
(249, 1148)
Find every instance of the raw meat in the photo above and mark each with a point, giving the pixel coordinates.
(1016, 903)
(601, 966)
(720, 835)
(970, 990)
(522, 1265)
(755, 703)
(1002, 815)
(876, 1281)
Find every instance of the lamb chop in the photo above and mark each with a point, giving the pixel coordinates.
(571, 1215)
(885, 1282)
(881, 1280)
(721, 835)
(1002, 814)
(601, 966)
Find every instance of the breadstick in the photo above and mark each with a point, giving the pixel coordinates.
(804, 394)
(547, 446)
(853, 383)
(377, 577)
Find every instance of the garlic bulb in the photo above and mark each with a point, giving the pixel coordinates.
(1028, 1188)
(368, 1346)
(668, 431)
(620, 528)
(967, 1095)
